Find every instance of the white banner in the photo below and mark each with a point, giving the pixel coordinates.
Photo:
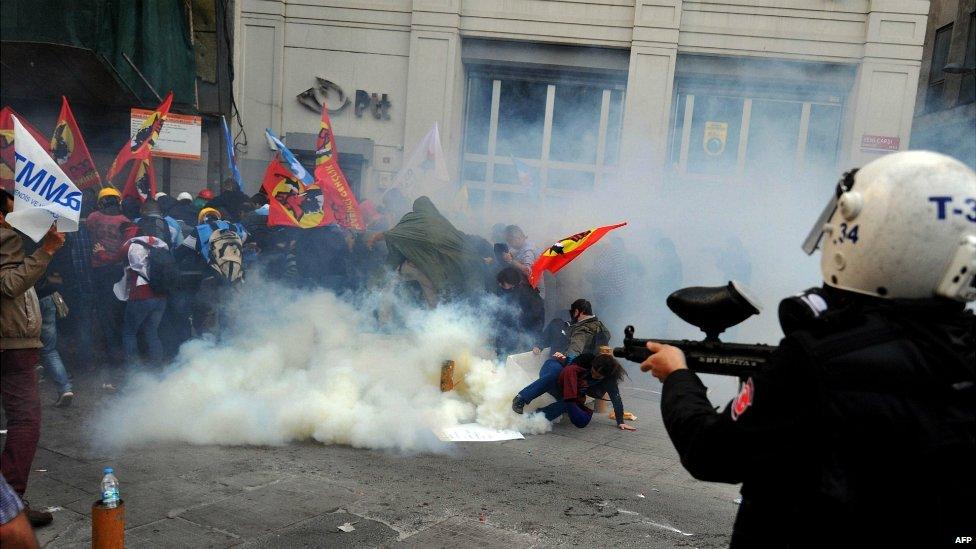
(43, 193)
(425, 170)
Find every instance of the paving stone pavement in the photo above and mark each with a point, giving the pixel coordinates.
(571, 487)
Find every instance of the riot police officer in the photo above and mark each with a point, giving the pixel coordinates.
(861, 432)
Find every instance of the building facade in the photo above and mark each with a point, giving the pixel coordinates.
(583, 92)
(945, 110)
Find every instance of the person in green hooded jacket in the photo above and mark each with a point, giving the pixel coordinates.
(425, 247)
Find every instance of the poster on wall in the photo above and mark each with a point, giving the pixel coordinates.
(716, 134)
(178, 138)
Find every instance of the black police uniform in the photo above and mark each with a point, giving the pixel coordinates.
(861, 432)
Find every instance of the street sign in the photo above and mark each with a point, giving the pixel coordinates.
(879, 143)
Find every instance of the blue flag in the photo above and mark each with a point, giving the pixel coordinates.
(231, 157)
(296, 167)
(526, 177)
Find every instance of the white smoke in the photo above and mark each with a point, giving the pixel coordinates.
(313, 366)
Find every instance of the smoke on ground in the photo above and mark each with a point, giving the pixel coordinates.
(313, 366)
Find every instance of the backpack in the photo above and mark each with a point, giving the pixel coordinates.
(155, 226)
(227, 254)
(164, 275)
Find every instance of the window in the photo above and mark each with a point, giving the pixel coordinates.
(562, 130)
(967, 86)
(765, 138)
(934, 95)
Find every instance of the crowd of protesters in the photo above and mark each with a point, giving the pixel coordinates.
(140, 278)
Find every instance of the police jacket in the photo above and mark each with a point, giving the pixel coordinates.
(860, 433)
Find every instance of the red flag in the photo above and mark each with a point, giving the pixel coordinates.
(291, 202)
(141, 182)
(7, 161)
(330, 178)
(561, 253)
(70, 152)
(144, 140)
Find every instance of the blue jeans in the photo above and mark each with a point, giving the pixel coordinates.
(144, 316)
(547, 383)
(50, 357)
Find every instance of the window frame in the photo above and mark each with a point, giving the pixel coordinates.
(608, 82)
(935, 99)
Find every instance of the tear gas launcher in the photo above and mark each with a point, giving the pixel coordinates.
(713, 310)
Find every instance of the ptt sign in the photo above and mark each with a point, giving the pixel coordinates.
(325, 92)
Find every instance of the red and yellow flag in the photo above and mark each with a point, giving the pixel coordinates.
(70, 152)
(562, 252)
(7, 161)
(139, 147)
(291, 202)
(141, 182)
(329, 177)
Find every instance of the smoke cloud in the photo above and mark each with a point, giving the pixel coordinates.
(313, 366)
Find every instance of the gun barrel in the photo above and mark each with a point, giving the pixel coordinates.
(707, 357)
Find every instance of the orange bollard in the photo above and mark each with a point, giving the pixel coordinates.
(108, 526)
(447, 376)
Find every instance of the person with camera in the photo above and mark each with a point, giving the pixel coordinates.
(862, 430)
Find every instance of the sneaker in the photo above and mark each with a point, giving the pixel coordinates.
(517, 404)
(37, 518)
(65, 399)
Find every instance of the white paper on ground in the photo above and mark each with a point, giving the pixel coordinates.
(472, 432)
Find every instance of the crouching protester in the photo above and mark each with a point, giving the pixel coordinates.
(584, 376)
(220, 283)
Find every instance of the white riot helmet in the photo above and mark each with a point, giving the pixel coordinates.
(903, 226)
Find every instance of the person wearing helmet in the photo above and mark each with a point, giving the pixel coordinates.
(862, 430)
(203, 198)
(184, 210)
(109, 230)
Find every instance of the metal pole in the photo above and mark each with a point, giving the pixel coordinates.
(144, 81)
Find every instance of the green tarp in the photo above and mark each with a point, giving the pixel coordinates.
(154, 34)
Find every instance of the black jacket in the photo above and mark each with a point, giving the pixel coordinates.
(861, 433)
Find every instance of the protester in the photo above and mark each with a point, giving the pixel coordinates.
(230, 200)
(184, 210)
(425, 247)
(152, 222)
(203, 199)
(79, 295)
(15, 528)
(165, 201)
(145, 300)
(586, 332)
(520, 320)
(583, 376)
(130, 207)
(53, 306)
(221, 283)
(109, 230)
(20, 331)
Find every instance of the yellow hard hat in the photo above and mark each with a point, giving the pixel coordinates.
(109, 191)
(207, 211)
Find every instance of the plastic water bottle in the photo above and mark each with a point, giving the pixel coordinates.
(110, 489)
